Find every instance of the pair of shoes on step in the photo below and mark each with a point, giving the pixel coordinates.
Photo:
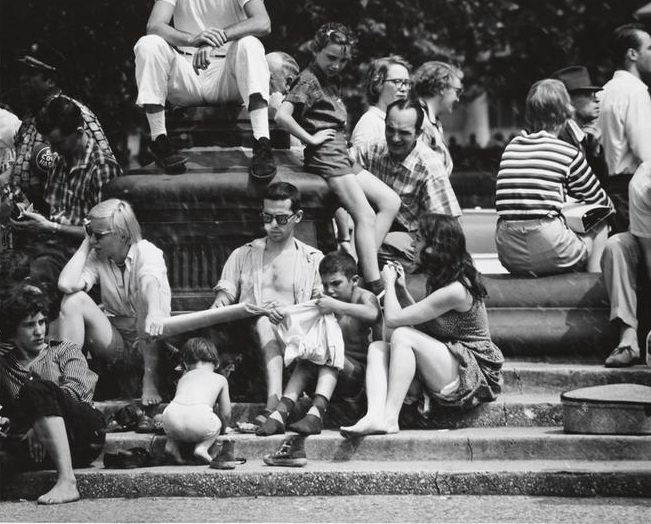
(167, 157)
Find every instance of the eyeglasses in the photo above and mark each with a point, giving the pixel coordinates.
(399, 82)
(458, 90)
(281, 220)
(98, 235)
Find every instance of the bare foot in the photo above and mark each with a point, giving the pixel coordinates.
(202, 455)
(150, 394)
(173, 452)
(365, 426)
(62, 492)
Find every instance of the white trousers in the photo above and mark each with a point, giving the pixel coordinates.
(164, 74)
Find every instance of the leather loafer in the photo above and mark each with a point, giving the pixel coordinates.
(622, 357)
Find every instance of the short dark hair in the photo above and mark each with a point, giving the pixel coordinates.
(377, 74)
(284, 191)
(199, 349)
(59, 113)
(338, 262)
(409, 103)
(20, 303)
(625, 37)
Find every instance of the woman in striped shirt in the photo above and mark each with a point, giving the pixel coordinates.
(538, 172)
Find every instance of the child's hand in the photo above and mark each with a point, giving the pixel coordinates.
(400, 274)
(276, 314)
(389, 275)
(327, 305)
(322, 136)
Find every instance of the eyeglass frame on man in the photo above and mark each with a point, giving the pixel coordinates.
(281, 220)
(91, 233)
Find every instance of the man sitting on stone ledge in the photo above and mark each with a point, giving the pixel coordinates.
(46, 389)
(275, 271)
(205, 52)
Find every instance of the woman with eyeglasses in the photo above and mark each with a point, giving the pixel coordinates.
(438, 86)
(135, 293)
(387, 80)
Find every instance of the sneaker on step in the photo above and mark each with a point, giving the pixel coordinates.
(290, 454)
(166, 155)
(263, 167)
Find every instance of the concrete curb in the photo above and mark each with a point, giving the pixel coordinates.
(534, 478)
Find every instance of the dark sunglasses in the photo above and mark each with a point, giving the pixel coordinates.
(89, 231)
(281, 220)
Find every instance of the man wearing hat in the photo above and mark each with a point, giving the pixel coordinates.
(41, 69)
(61, 185)
(581, 131)
(625, 115)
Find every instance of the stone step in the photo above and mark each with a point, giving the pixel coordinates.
(510, 409)
(567, 478)
(472, 444)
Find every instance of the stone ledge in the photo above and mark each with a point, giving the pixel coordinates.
(535, 478)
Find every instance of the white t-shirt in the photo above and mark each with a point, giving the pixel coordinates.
(370, 127)
(639, 196)
(9, 124)
(193, 16)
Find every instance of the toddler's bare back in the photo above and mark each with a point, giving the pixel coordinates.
(199, 386)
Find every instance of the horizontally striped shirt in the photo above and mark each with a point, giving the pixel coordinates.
(420, 180)
(538, 172)
(60, 362)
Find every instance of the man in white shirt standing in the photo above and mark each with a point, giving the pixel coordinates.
(625, 116)
(200, 52)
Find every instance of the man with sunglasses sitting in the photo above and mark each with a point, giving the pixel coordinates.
(135, 295)
(277, 270)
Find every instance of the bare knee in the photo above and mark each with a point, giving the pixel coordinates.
(75, 302)
(392, 203)
(252, 46)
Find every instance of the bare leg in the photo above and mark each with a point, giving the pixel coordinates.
(201, 449)
(352, 197)
(377, 377)
(385, 200)
(411, 350)
(81, 322)
(51, 431)
(150, 394)
(172, 450)
(272, 353)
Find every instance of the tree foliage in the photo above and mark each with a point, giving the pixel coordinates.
(504, 45)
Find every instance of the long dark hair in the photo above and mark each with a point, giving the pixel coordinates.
(444, 258)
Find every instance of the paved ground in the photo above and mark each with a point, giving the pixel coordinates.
(399, 508)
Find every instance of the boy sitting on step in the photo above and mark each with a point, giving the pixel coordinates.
(190, 417)
(358, 314)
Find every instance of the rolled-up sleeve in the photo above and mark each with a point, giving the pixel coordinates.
(230, 279)
(76, 378)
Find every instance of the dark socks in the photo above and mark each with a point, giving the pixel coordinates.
(273, 426)
(272, 402)
(376, 286)
(311, 424)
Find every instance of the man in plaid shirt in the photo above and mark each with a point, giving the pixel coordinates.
(413, 171)
(80, 169)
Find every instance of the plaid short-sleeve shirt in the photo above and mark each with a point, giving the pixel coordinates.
(72, 190)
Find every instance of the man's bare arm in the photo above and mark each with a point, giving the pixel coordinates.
(257, 22)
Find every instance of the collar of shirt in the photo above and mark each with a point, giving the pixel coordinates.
(413, 159)
(334, 83)
(378, 112)
(575, 130)
(537, 134)
(624, 75)
(84, 160)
